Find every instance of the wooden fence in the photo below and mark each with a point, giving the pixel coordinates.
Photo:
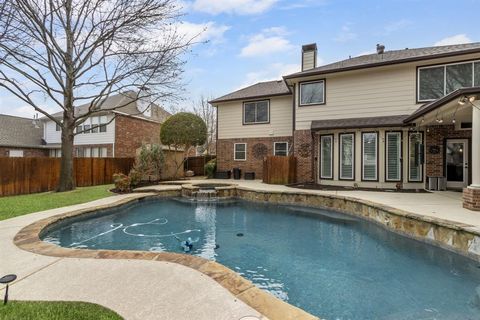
(31, 175)
(197, 164)
(279, 169)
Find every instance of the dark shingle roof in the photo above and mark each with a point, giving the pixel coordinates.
(430, 106)
(259, 90)
(354, 123)
(21, 132)
(391, 57)
(128, 99)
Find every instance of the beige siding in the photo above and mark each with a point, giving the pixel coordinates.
(381, 91)
(308, 60)
(230, 120)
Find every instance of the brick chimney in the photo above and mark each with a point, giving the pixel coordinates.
(309, 56)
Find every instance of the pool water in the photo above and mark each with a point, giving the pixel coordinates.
(329, 264)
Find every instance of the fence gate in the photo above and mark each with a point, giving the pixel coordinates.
(197, 164)
(279, 169)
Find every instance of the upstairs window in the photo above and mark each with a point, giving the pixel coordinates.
(57, 127)
(438, 81)
(256, 112)
(312, 93)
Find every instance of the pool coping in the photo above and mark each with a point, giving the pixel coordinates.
(457, 237)
(28, 239)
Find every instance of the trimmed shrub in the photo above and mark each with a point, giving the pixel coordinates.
(122, 182)
(211, 168)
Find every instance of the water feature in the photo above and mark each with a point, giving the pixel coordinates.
(329, 264)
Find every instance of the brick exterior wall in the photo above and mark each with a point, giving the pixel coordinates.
(254, 163)
(435, 136)
(131, 133)
(84, 146)
(305, 149)
(27, 152)
(471, 199)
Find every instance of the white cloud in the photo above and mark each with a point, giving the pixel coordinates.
(272, 72)
(243, 7)
(346, 34)
(456, 39)
(207, 31)
(271, 40)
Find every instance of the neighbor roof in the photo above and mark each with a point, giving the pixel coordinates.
(366, 122)
(259, 90)
(130, 108)
(390, 57)
(20, 132)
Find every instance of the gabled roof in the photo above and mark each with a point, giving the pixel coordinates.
(20, 132)
(389, 58)
(128, 99)
(430, 106)
(356, 123)
(259, 90)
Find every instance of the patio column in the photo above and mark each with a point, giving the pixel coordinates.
(471, 194)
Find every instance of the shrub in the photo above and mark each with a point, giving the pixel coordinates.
(122, 182)
(148, 163)
(211, 168)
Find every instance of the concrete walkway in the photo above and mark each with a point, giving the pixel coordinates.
(136, 289)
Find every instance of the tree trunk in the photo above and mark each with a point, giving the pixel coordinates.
(67, 182)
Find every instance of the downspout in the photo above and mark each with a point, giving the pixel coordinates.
(293, 118)
(216, 130)
(313, 156)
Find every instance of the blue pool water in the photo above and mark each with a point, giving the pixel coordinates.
(327, 263)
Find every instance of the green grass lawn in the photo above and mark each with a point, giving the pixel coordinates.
(40, 310)
(19, 205)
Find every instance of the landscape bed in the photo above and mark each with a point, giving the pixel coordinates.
(332, 265)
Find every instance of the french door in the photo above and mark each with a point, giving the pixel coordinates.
(456, 161)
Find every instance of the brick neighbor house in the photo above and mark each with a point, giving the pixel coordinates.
(390, 119)
(125, 130)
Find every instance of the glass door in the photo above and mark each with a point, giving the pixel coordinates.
(457, 163)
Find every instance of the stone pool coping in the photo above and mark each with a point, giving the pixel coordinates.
(266, 304)
(461, 238)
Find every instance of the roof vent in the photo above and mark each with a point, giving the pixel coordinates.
(380, 48)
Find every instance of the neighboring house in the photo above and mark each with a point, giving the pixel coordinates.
(382, 120)
(21, 137)
(124, 131)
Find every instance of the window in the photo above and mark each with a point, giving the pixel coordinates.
(369, 156)
(94, 153)
(326, 157)
(103, 126)
(415, 156)
(57, 127)
(86, 128)
(438, 81)
(256, 112)
(102, 152)
(15, 153)
(79, 129)
(280, 149)
(312, 93)
(55, 153)
(347, 156)
(87, 152)
(94, 125)
(240, 152)
(393, 153)
(80, 153)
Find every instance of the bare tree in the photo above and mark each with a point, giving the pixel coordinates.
(208, 113)
(72, 52)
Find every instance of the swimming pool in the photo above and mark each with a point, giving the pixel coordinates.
(329, 264)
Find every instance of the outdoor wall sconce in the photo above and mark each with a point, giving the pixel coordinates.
(6, 280)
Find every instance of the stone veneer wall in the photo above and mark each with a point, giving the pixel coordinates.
(435, 136)
(131, 133)
(254, 162)
(27, 152)
(305, 151)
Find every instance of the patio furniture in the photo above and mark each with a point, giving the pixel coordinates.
(249, 176)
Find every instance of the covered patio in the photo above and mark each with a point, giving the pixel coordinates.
(452, 141)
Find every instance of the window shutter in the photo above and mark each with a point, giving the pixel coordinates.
(326, 146)
(346, 156)
(370, 156)
(394, 155)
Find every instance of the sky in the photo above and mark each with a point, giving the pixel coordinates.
(248, 41)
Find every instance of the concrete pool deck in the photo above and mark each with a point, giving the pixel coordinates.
(140, 288)
(135, 289)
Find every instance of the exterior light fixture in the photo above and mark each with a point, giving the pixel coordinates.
(6, 280)
(462, 100)
(472, 99)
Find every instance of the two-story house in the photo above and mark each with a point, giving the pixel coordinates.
(384, 120)
(115, 133)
